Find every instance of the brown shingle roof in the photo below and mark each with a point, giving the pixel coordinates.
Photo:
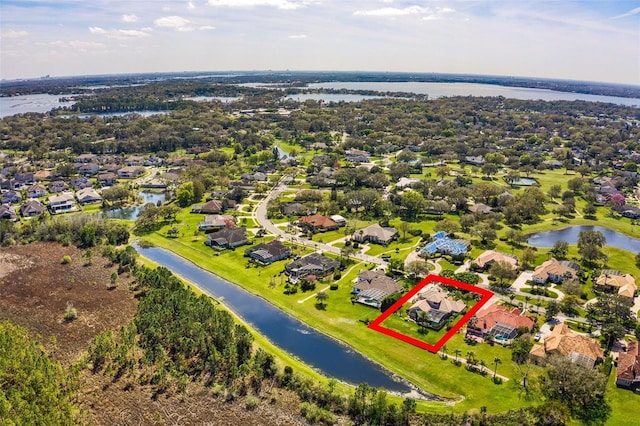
(565, 342)
(629, 362)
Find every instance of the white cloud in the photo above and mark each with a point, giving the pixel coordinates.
(298, 36)
(190, 5)
(393, 11)
(120, 34)
(206, 27)
(129, 18)
(77, 44)
(97, 30)
(439, 13)
(13, 34)
(130, 33)
(280, 4)
(629, 13)
(174, 21)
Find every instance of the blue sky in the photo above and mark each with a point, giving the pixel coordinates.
(597, 40)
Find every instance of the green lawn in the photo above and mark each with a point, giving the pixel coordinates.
(625, 404)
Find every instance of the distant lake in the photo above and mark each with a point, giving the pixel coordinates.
(131, 213)
(571, 233)
(439, 90)
(330, 97)
(223, 99)
(115, 114)
(41, 103)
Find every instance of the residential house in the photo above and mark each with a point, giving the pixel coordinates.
(405, 182)
(41, 175)
(107, 179)
(80, 182)
(210, 207)
(376, 234)
(340, 220)
(293, 209)
(436, 304)
(254, 177)
(372, 287)
(611, 281)
(58, 186)
(480, 208)
(216, 222)
(498, 322)
(227, 238)
(318, 222)
(23, 179)
(484, 261)
(311, 264)
(628, 372)
(86, 158)
(567, 343)
(88, 196)
(134, 161)
(448, 246)
(63, 203)
(88, 169)
(555, 271)
(36, 191)
(632, 212)
(357, 156)
(130, 172)
(477, 160)
(11, 197)
(8, 212)
(31, 208)
(268, 253)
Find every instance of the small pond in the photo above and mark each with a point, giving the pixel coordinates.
(330, 356)
(131, 213)
(571, 233)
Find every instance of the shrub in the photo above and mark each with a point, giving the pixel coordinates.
(65, 259)
(316, 415)
(251, 403)
(415, 232)
(70, 313)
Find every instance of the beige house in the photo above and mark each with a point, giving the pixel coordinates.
(614, 282)
(554, 271)
(485, 260)
(577, 347)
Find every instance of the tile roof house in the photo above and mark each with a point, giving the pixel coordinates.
(63, 203)
(8, 212)
(36, 191)
(499, 322)
(130, 172)
(31, 208)
(58, 186)
(373, 286)
(80, 182)
(88, 196)
(577, 347)
(318, 222)
(554, 271)
(11, 197)
(268, 253)
(107, 179)
(311, 264)
(42, 175)
(628, 372)
(436, 303)
(485, 260)
(480, 208)
(293, 209)
(216, 222)
(227, 238)
(210, 207)
(376, 234)
(615, 282)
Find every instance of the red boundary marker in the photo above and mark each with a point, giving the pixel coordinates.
(376, 324)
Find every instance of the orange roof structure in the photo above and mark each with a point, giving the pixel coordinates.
(493, 256)
(577, 347)
(498, 314)
(625, 284)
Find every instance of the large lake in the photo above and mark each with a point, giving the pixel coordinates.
(438, 90)
(31, 103)
(570, 235)
(331, 357)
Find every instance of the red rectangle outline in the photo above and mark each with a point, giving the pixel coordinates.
(376, 324)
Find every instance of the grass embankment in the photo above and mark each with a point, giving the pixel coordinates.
(342, 320)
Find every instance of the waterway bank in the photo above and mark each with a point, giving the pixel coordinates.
(307, 345)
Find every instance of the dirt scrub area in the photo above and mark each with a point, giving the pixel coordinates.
(36, 288)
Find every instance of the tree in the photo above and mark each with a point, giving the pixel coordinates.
(321, 299)
(485, 232)
(412, 204)
(552, 310)
(554, 191)
(489, 169)
(448, 225)
(580, 388)
(185, 195)
(520, 348)
(560, 249)
(590, 245)
(496, 361)
(528, 257)
(589, 210)
(502, 271)
(418, 268)
(638, 259)
(404, 227)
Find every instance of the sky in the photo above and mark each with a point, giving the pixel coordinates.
(593, 40)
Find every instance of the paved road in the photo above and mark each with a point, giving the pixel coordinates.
(261, 218)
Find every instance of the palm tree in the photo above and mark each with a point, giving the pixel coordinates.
(496, 361)
(321, 297)
(457, 353)
(471, 357)
(483, 365)
(444, 351)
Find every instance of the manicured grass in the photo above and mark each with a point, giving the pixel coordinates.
(625, 404)
(403, 325)
(549, 294)
(344, 321)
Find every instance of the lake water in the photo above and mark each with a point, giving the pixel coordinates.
(438, 90)
(115, 114)
(570, 235)
(131, 213)
(329, 356)
(330, 97)
(223, 99)
(31, 103)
